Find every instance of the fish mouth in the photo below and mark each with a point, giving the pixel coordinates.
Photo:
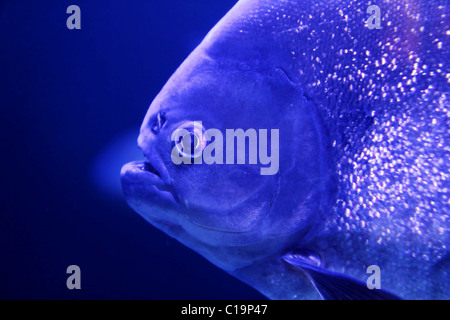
(146, 184)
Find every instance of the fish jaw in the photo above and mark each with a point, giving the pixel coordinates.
(147, 193)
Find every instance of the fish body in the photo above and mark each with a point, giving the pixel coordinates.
(362, 116)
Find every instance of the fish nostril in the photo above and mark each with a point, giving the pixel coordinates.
(158, 122)
(155, 129)
(155, 125)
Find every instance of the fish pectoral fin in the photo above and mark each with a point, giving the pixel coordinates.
(333, 285)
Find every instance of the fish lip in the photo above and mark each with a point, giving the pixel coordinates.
(154, 175)
(154, 161)
(145, 175)
(155, 165)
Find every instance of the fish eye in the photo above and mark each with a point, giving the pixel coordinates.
(192, 143)
(158, 122)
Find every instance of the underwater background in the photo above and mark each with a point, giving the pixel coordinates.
(71, 104)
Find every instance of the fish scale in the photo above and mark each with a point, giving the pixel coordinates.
(386, 98)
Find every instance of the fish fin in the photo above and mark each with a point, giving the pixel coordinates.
(333, 285)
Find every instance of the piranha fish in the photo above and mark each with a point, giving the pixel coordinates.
(359, 206)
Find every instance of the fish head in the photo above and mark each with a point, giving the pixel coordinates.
(224, 210)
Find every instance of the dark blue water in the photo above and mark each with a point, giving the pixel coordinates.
(71, 103)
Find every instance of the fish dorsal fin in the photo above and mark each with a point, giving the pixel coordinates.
(333, 285)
